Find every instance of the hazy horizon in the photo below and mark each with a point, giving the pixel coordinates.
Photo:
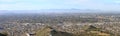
(105, 5)
(57, 11)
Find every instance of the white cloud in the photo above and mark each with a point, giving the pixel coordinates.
(8, 0)
(118, 2)
(91, 4)
(80, 0)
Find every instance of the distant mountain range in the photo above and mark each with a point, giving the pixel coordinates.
(56, 11)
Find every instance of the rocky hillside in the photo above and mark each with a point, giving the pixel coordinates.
(48, 31)
(88, 31)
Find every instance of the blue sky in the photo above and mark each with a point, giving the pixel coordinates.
(59, 4)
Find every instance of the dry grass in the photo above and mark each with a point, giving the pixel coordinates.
(89, 31)
(44, 32)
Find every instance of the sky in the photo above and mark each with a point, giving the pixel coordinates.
(107, 5)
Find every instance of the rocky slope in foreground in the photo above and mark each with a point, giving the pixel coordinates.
(89, 31)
